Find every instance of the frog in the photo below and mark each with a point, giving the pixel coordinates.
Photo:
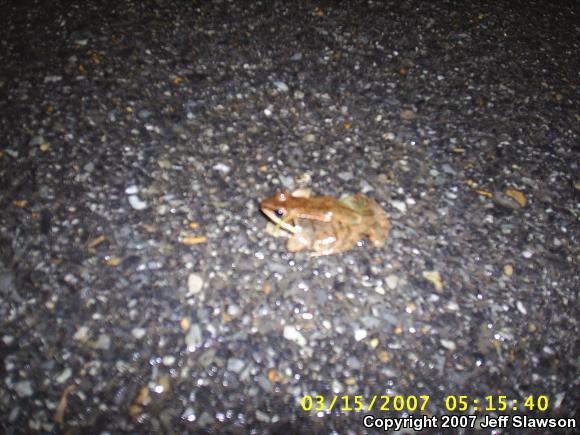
(326, 225)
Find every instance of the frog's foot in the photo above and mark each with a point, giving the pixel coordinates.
(378, 236)
(378, 242)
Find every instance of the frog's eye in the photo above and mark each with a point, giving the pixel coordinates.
(279, 212)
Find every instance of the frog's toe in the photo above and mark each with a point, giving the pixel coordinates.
(378, 238)
(378, 243)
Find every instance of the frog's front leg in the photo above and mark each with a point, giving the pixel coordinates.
(297, 242)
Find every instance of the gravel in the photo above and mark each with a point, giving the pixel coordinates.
(139, 290)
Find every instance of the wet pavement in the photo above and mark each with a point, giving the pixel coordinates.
(139, 289)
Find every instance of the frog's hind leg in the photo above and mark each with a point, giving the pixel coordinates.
(379, 233)
(377, 237)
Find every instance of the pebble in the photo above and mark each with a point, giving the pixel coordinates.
(132, 190)
(138, 333)
(103, 342)
(399, 205)
(281, 86)
(264, 383)
(262, 416)
(521, 308)
(64, 376)
(353, 362)
(392, 281)
(508, 270)
(235, 365)
(527, 254)
(287, 182)
(360, 334)
(336, 386)
(222, 167)
(137, 203)
(144, 114)
(194, 284)
(189, 414)
(310, 138)
(82, 334)
(292, 334)
(296, 57)
(234, 310)
(193, 339)
(168, 360)
(452, 306)
(447, 169)
(23, 389)
(345, 176)
(448, 344)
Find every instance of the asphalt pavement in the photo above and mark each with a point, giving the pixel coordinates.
(140, 290)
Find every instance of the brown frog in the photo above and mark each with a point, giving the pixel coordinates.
(324, 224)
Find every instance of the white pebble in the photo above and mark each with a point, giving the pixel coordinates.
(360, 334)
(82, 334)
(399, 205)
(193, 339)
(132, 190)
(392, 281)
(23, 388)
(521, 308)
(103, 342)
(234, 310)
(137, 203)
(235, 365)
(527, 254)
(168, 360)
(292, 334)
(448, 344)
(309, 137)
(452, 306)
(138, 333)
(194, 284)
(64, 376)
(281, 86)
(222, 167)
